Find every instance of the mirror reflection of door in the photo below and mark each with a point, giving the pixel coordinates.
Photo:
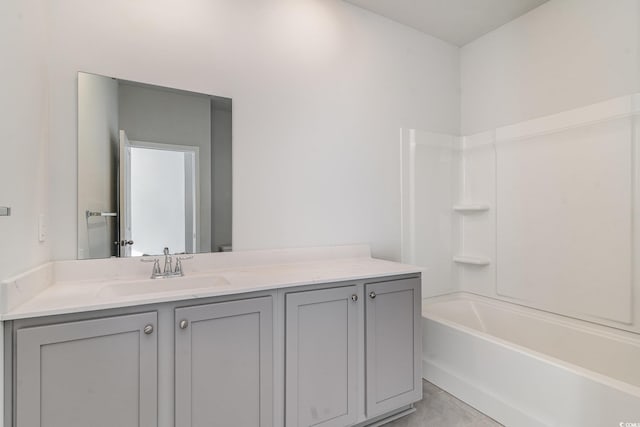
(160, 208)
(166, 117)
(125, 196)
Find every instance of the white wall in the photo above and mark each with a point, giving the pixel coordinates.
(431, 169)
(98, 131)
(564, 195)
(320, 90)
(562, 55)
(562, 189)
(23, 148)
(154, 114)
(564, 231)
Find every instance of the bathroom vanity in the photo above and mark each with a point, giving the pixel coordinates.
(325, 337)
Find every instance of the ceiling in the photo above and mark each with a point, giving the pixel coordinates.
(455, 21)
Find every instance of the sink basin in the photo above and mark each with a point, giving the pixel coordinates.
(152, 286)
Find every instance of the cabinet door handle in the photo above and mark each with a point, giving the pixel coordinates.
(148, 329)
(372, 295)
(183, 324)
(354, 298)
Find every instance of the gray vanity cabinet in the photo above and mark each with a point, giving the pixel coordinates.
(393, 345)
(321, 353)
(224, 364)
(335, 355)
(98, 373)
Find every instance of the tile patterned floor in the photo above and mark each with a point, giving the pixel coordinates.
(440, 409)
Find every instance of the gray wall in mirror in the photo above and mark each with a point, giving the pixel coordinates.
(154, 169)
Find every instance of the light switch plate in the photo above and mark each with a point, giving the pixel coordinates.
(5, 211)
(42, 228)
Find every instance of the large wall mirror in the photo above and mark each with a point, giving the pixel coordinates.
(154, 169)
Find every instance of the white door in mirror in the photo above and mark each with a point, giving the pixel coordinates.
(125, 194)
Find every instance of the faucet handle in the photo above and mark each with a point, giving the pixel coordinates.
(156, 266)
(179, 259)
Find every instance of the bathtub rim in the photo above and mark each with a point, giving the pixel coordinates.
(536, 354)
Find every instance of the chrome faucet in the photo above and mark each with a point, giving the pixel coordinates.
(169, 271)
(167, 262)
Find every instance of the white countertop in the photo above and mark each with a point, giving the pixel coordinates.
(98, 293)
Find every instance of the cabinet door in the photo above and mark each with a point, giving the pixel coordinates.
(321, 357)
(98, 373)
(224, 364)
(393, 345)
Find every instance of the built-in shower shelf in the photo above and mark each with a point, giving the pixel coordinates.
(471, 260)
(470, 208)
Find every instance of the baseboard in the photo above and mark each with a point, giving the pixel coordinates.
(388, 417)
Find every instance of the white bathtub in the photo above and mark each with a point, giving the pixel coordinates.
(524, 367)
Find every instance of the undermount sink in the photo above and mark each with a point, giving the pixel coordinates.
(151, 286)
